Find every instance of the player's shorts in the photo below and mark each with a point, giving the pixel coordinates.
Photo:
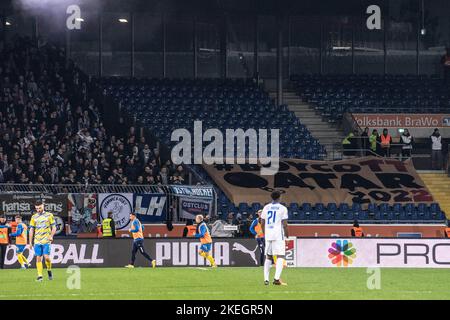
(275, 248)
(20, 248)
(206, 247)
(41, 249)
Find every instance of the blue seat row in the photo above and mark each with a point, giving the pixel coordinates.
(335, 213)
(164, 105)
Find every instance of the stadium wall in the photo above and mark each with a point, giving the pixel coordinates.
(419, 125)
(319, 230)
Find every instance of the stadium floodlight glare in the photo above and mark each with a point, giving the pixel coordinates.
(341, 48)
(79, 19)
(423, 31)
(7, 23)
(122, 20)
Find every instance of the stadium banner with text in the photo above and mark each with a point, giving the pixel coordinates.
(23, 203)
(373, 252)
(120, 204)
(193, 191)
(380, 120)
(150, 207)
(360, 180)
(190, 207)
(82, 209)
(179, 252)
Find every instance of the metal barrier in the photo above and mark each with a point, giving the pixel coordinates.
(349, 124)
(81, 188)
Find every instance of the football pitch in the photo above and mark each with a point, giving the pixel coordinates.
(226, 283)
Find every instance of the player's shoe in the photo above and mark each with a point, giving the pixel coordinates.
(39, 279)
(130, 266)
(279, 282)
(50, 275)
(214, 266)
(29, 266)
(23, 267)
(153, 264)
(266, 282)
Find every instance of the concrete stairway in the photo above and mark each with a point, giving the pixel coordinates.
(439, 186)
(328, 135)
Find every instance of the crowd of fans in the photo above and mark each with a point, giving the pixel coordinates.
(52, 132)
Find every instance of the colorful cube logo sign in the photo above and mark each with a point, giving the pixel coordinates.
(341, 253)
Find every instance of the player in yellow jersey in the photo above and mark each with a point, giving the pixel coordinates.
(203, 234)
(21, 242)
(43, 228)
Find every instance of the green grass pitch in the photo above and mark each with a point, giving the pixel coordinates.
(227, 283)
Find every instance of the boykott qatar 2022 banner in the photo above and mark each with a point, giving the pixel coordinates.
(373, 252)
(360, 180)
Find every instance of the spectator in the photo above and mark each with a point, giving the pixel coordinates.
(365, 143)
(406, 140)
(348, 144)
(51, 131)
(436, 150)
(230, 218)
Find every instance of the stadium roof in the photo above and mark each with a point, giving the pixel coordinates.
(202, 6)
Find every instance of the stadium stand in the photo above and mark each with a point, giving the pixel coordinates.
(169, 104)
(52, 132)
(333, 95)
(343, 213)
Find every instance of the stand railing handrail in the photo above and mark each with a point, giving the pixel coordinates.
(90, 188)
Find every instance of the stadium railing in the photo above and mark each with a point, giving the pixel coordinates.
(420, 153)
(81, 188)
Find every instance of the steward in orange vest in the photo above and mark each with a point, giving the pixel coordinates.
(447, 230)
(189, 230)
(4, 239)
(385, 141)
(357, 231)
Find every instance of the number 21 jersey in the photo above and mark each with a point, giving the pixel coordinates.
(273, 214)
